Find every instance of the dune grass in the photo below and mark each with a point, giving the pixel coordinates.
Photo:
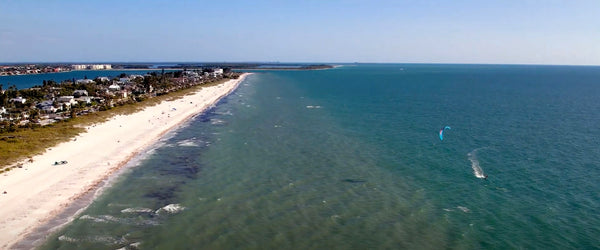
(26, 143)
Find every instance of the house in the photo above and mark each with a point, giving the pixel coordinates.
(2, 111)
(190, 73)
(43, 104)
(79, 66)
(100, 66)
(114, 87)
(80, 93)
(103, 79)
(18, 100)
(86, 81)
(98, 99)
(67, 100)
(84, 99)
(124, 80)
(91, 66)
(122, 94)
(47, 107)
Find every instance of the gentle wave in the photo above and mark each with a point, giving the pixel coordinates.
(171, 208)
(113, 219)
(187, 143)
(217, 121)
(137, 210)
(106, 240)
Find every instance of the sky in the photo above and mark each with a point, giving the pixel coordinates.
(328, 31)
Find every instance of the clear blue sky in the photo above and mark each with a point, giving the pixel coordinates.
(419, 31)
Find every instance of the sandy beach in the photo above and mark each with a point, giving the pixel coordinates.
(40, 190)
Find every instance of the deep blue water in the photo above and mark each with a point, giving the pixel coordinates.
(351, 158)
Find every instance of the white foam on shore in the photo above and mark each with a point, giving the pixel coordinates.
(228, 112)
(100, 218)
(216, 121)
(171, 209)
(106, 240)
(137, 210)
(187, 143)
(67, 239)
(113, 219)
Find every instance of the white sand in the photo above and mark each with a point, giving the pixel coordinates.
(39, 190)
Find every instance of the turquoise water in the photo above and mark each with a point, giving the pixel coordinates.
(28, 81)
(351, 158)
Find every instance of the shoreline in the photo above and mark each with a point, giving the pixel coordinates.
(39, 192)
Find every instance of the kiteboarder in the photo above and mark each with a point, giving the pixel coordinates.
(442, 132)
(485, 177)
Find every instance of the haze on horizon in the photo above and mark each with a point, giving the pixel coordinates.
(467, 31)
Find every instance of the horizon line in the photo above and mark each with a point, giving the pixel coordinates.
(281, 62)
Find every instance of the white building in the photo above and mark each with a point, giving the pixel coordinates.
(103, 79)
(124, 80)
(68, 100)
(122, 94)
(79, 66)
(80, 92)
(86, 81)
(18, 100)
(114, 87)
(100, 66)
(91, 66)
(84, 99)
(47, 107)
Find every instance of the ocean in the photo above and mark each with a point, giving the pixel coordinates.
(351, 158)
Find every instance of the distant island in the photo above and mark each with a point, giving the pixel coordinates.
(233, 66)
(41, 68)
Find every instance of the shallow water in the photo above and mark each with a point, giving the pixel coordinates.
(351, 158)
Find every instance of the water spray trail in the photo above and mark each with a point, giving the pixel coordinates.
(477, 171)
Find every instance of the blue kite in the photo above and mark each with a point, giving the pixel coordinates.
(442, 132)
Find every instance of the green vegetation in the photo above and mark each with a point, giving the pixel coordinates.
(21, 144)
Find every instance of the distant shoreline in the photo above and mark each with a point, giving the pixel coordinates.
(316, 67)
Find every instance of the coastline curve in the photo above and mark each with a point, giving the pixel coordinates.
(41, 198)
